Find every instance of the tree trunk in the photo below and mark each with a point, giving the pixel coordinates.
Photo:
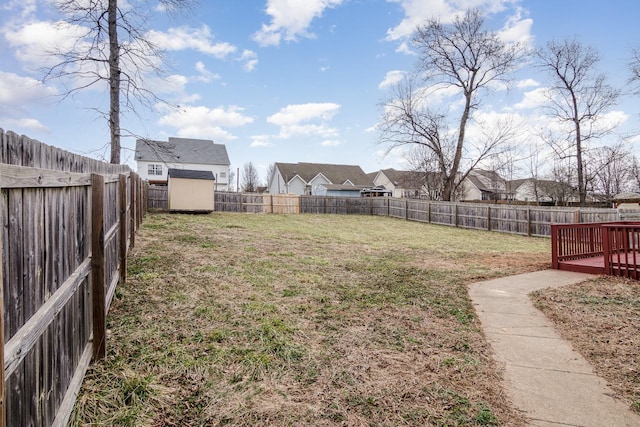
(114, 82)
(582, 191)
(450, 182)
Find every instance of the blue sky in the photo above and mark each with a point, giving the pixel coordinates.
(293, 81)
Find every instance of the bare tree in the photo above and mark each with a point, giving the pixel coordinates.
(578, 99)
(635, 67)
(115, 51)
(461, 55)
(271, 170)
(250, 178)
(610, 171)
(232, 176)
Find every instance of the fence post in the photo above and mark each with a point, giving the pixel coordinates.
(429, 212)
(455, 214)
(134, 209)
(576, 216)
(3, 410)
(488, 217)
(406, 209)
(529, 221)
(124, 226)
(97, 267)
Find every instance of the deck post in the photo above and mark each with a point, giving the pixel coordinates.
(554, 246)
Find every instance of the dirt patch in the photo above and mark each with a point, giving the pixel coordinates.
(601, 318)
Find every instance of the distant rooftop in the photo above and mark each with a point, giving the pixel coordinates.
(182, 150)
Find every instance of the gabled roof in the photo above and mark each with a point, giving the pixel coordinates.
(191, 174)
(487, 180)
(545, 184)
(337, 174)
(182, 150)
(405, 179)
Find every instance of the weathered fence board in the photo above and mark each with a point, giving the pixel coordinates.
(48, 257)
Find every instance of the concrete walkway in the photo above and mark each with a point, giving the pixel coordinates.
(546, 379)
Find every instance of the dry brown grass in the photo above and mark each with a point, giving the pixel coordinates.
(277, 320)
(601, 318)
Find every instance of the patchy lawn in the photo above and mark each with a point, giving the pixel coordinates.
(280, 320)
(601, 318)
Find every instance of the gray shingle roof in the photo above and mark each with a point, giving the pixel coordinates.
(337, 174)
(190, 174)
(182, 150)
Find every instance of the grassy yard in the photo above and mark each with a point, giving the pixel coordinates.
(601, 317)
(282, 320)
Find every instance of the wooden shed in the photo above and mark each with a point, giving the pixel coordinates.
(190, 190)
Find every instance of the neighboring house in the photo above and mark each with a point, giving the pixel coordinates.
(155, 158)
(312, 178)
(543, 191)
(485, 185)
(409, 184)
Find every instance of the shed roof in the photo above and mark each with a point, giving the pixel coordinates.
(337, 174)
(182, 150)
(190, 174)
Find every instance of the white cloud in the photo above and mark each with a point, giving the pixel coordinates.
(523, 84)
(260, 141)
(199, 39)
(250, 60)
(25, 125)
(17, 95)
(533, 99)
(205, 75)
(517, 29)
(290, 20)
(15, 90)
(405, 48)
(305, 119)
(392, 78)
(35, 42)
(331, 143)
(204, 122)
(417, 12)
(297, 113)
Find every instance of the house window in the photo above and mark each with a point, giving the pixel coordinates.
(155, 170)
(223, 174)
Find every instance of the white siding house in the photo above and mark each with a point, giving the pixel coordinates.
(155, 158)
(312, 178)
(403, 184)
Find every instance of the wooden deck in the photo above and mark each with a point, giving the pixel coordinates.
(597, 248)
(591, 265)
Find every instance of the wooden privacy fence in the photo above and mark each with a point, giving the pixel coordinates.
(517, 219)
(67, 224)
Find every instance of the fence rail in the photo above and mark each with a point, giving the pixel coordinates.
(67, 223)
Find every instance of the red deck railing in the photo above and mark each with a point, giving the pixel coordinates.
(621, 244)
(611, 248)
(575, 241)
